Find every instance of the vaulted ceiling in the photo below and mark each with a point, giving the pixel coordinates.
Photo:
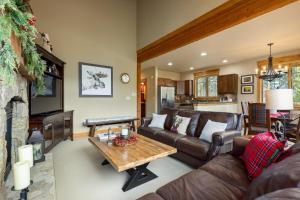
(242, 42)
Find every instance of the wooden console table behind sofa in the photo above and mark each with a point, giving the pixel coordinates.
(93, 123)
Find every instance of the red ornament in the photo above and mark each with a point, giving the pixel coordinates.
(32, 21)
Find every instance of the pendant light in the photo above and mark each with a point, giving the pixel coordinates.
(270, 74)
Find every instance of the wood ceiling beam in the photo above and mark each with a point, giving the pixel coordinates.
(223, 17)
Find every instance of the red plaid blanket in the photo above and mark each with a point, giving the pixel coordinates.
(262, 150)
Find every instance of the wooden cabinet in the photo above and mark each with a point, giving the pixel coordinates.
(228, 84)
(54, 127)
(166, 82)
(185, 88)
(189, 87)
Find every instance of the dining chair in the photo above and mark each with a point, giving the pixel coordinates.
(292, 131)
(259, 118)
(246, 116)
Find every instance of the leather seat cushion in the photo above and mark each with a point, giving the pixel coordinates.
(149, 131)
(193, 146)
(151, 196)
(194, 115)
(281, 175)
(199, 185)
(168, 137)
(229, 169)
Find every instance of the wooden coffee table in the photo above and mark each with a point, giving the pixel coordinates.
(133, 158)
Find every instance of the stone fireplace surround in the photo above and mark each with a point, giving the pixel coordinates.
(20, 121)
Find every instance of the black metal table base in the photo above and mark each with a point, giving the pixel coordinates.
(138, 176)
(105, 162)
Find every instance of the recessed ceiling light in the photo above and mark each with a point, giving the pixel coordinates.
(203, 54)
(225, 61)
(192, 68)
(170, 63)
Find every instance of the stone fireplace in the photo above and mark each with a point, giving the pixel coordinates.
(14, 121)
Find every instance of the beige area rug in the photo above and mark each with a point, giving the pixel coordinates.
(80, 176)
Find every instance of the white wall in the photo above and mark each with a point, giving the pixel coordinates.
(157, 18)
(150, 74)
(94, 31)
(241, 68)
(169, 75)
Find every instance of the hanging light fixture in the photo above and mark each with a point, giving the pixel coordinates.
(269, 74)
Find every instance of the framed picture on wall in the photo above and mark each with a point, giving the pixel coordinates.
(247, 79)
(95, 80)
(247, 89)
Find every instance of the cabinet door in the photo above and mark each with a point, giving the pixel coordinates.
(228, 84)
(188, 87)
(222, 85)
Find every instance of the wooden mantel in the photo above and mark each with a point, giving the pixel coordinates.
(21, 68)
(227, 15)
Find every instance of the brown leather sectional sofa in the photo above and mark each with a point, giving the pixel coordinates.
(190, 149)
(225, 178)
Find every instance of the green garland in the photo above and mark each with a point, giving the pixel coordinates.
(15, 17)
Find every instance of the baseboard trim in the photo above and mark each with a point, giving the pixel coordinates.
(82, 135)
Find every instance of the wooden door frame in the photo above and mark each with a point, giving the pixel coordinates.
(225, 16)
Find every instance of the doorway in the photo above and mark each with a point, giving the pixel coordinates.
(143, 91)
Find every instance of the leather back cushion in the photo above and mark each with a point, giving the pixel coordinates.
(194, 115)
(171, 113)
(284, 174)
(289, 193)
(230, 118)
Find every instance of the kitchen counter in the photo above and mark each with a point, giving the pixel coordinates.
(231, 107)
(213, 103)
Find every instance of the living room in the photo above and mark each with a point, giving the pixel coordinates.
(149, 99)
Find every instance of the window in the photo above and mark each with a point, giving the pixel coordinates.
(212, 86)
(206, 84)
(280, 83)
(201, 87)
(296, 83)
(289, 80)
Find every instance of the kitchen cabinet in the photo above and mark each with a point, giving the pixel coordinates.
(228, 84)
(185, 88)
(166, 82)
(189, 87)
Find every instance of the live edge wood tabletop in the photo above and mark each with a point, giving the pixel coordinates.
(131, 156)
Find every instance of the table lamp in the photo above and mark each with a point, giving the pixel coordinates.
(280, 99)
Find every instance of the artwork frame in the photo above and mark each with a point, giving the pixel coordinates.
(91, 85)
(247, 79)
(247, 89)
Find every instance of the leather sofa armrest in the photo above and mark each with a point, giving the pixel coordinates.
(219, 139)
(151, 196)
(146, 121)
(239, 145)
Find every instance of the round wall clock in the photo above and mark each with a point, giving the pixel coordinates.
(125, 78)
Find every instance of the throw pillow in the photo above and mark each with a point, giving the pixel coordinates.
(210, 128)
(262, 150)
(180, 124)
(158, 121)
